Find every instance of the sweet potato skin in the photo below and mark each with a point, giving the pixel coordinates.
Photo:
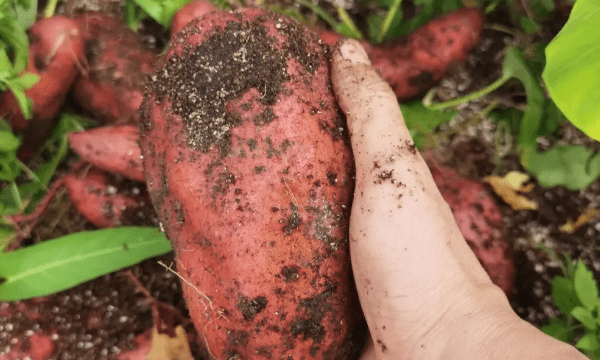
(56, 54)
(425, 55)
(254, 190)
(191, 11)
(480, 222)
(413, 64)
(111, 148)
(107, 201)
(119, 64)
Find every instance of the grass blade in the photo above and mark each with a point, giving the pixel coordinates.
(62, 263)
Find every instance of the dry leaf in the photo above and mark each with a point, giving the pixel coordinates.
(165, 347)
(587, 216)
(509, 188)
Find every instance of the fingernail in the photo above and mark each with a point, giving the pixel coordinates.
(353, 51)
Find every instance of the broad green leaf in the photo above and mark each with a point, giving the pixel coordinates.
(59, 264)
(573, 67)
(585, 317)
(558, 329)
(588, 342)
(572, 166)
(585, 286)
(564, 295)
(421, 120)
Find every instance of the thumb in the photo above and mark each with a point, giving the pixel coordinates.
(374, 119)
(408, 256)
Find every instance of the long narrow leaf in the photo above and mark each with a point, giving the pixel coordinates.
(59, 264)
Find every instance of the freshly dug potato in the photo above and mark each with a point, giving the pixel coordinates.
(119, 64)
(104, 204)
(248, 169)
(110, 148)
(413, 64)
(56, 54)
(480, 222)
(191, 11)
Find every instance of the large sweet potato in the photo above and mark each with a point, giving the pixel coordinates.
(56, 55)
(112, 91)
(248, 170)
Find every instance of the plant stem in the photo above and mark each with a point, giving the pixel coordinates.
(16, 196)
(427, 100)
(50, 8)
(387, 22)
(31, 174)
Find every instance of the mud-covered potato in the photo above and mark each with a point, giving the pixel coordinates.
(248, 169)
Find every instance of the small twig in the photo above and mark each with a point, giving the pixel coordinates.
(290, 191)
(190, 284)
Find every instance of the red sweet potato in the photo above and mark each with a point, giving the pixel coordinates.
(479, 221)
(55, 54)
(411, 65)
(110, 148)
(191, 11)
(252, 179)
(112, 91)
(102, 204)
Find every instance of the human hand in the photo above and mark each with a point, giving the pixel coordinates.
(422, 290)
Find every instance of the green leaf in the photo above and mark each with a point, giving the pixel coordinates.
(585, 317)
(564, 295)
(558, 329)
(59, 264)
(24, 102)
(27, 80)
(529, 26)
(14, 35)
(423, 120)
(514, 65)
(588, 342)
(572, 166)
(541, 8)
(6, 234)
(573, 68)
(59, 147)
(8, 142)
(585, 286)
(161, 10)
(25, 13)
